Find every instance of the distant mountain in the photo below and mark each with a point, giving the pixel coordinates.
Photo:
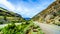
(50, 15)
(27, 18)
(9, 16)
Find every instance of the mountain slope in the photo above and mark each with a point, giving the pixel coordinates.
(50, 15)
(9, 16)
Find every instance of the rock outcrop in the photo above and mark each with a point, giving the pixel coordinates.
(50, 15)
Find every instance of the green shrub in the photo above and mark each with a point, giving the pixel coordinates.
(58, 24)
(1, 22)
(20, 29)
(11, 29)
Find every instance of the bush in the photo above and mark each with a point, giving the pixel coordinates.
(23, 28)
(58, 24)
(1, 22)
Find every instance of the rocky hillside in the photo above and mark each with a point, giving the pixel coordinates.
(50, 15)
(9, 16)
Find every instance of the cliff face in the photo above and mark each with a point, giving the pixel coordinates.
(8, 16)
(50, 14)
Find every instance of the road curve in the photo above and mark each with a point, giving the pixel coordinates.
(48, 28)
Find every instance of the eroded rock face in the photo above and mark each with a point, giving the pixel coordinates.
(50, 14)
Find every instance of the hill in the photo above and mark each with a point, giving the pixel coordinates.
(50, 15)
(9, 16)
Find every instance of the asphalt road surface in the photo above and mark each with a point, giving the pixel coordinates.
(49, 28)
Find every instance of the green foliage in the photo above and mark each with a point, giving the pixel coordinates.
(23, 28)
(58, 12)
(11, 29)
(1, 22)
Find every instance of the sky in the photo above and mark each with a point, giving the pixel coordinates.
(26, 8)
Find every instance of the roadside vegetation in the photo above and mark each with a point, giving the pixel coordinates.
(24, 28)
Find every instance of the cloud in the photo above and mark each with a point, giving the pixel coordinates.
(26, 8)
(7, 4)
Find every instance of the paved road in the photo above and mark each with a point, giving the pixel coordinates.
(48, 28)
